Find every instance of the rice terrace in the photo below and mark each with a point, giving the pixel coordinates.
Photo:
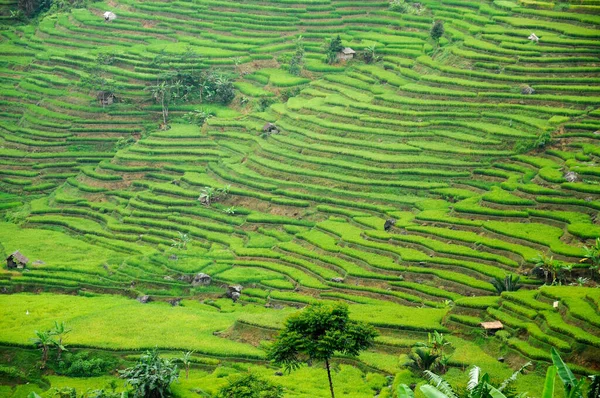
(300, 198)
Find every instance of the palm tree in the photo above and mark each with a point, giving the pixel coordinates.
(43, 340)
(60, 329)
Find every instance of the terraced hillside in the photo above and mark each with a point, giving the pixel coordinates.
(482, 179)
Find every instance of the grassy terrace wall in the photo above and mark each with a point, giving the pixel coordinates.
(438, 136)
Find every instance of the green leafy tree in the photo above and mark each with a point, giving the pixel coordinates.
(297, 60)
(44, 341)
(316, 334)
(250, 386)
(161, 93)
(152, 376)
(334, 46)
(437, 30)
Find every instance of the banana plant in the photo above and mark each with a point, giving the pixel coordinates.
(478, 386)
(573, 388)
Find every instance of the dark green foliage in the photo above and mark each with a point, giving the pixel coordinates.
(82, 364)
(333, 48)
(369, 55)
(152, 376)
(437, 30)
(31, 8)
(594, 390)
(510, 283)
(318, 332)
(297, 61)
(250, 386)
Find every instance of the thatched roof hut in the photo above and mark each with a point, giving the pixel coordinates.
(346, 54)
(16, 260)
(492, 327)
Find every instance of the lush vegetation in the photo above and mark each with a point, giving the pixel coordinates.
(440, 173)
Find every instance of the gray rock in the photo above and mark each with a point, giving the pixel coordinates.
(144, 299)
(389, 223)
(201, 279)
(234, 292)
(337, 280)
(571, 176)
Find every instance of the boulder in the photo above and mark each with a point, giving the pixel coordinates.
(144, 299)
(201, 279)
(175, 302)
(337, 280)
(173, 257)
(234, 292)
(571, 176)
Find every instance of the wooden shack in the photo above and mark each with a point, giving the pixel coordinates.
(16, 261)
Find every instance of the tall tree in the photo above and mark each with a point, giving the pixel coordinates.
(316, 334)
(437, 30)
(333, 49)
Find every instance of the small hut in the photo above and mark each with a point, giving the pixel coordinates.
(534, 38)
(346, 54)
(105, 98)
(270, 128)
(492, 327)
(109, 16)
(16, 260)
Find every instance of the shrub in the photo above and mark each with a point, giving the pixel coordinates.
(81, 364)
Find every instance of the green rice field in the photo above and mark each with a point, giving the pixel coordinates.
(482, 146)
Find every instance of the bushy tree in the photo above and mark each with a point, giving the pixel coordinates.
(297, 60)
(316, 334)
(437, 30)
(250, 386)
(333, 48)
(152, 376)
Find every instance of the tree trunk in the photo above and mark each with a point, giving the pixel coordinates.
(59, 350)
(44, 356)
(187, 372)
(329, 376)
(164, 111)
